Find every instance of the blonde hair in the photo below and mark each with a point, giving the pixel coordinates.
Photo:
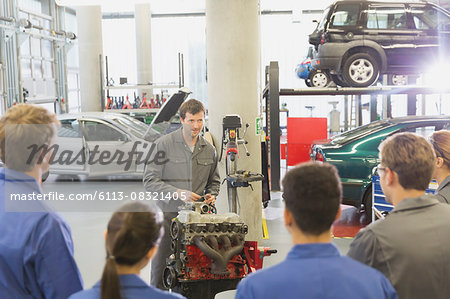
(440, 141)
(22, 126)
(411, 157)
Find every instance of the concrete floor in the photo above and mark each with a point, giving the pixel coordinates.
(88, 224)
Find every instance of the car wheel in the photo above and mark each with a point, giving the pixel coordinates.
(338, 80)
(308, 82)
(360, 70)
(367, 202)
(399, 80)
(319, 79)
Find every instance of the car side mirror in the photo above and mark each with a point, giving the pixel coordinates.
(124, 138)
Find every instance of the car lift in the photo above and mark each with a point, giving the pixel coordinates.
(272, 93)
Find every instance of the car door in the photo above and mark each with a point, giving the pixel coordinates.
(388, 26)
(432, 27)
(71, 155)
(109, 148)
(345, 24)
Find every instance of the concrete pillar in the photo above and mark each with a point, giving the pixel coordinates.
(142, 17)
(90, 44)
(233, 55)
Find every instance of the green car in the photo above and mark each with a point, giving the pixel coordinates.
(355, 152)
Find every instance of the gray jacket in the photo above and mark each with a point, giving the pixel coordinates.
(443, 191)
(194, 171)
(411, 247)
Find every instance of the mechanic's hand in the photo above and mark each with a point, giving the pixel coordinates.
(210, 199)
(188, 196)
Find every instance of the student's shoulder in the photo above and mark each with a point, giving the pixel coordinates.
(38, 221)
(358, 268)
(160, 294)
(86, 294)
(53, 220)
(268, 274)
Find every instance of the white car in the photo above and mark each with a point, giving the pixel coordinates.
(104, 143)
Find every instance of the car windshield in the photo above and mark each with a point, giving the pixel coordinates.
(136, 127)
(359, 132)
(322, 21)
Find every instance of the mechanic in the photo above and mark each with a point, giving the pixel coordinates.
(132, 237)
(36, 249)
(190, 174)
(411, 245)
(441, 145)
(314, 267)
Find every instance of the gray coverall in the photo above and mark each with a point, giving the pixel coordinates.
(193, 171)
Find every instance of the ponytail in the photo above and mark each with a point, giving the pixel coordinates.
(110, 285)
(132, 231)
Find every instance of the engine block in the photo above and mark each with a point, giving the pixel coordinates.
(205, 247)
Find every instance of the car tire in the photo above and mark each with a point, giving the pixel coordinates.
(338, 80)
(398, 80)
(367, 202)
(318, 78)
(308, 82)
(360, 70)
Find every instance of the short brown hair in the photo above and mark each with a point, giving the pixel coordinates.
(411, 157)
(192, 106)
(312, 192)
(440, 141)
(21, 126)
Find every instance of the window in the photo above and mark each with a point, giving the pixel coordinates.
(136, 127)
(345, 15)
(360, 131)
(96, 131)
(428, 17)
(393, 17)
(321, 24)
(69, 128)
(427, 129)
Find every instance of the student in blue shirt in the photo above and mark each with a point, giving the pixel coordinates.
(132, 238)
(36, 249)
(314, 267)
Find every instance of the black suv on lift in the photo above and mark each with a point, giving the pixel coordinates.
(356, 41)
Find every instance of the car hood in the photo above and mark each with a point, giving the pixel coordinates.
(161, 122)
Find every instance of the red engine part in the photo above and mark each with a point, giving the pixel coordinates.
(254, 255)
(199, 265)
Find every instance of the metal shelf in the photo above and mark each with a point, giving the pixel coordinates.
(152, 110)
(142, 86)
(41, 100)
